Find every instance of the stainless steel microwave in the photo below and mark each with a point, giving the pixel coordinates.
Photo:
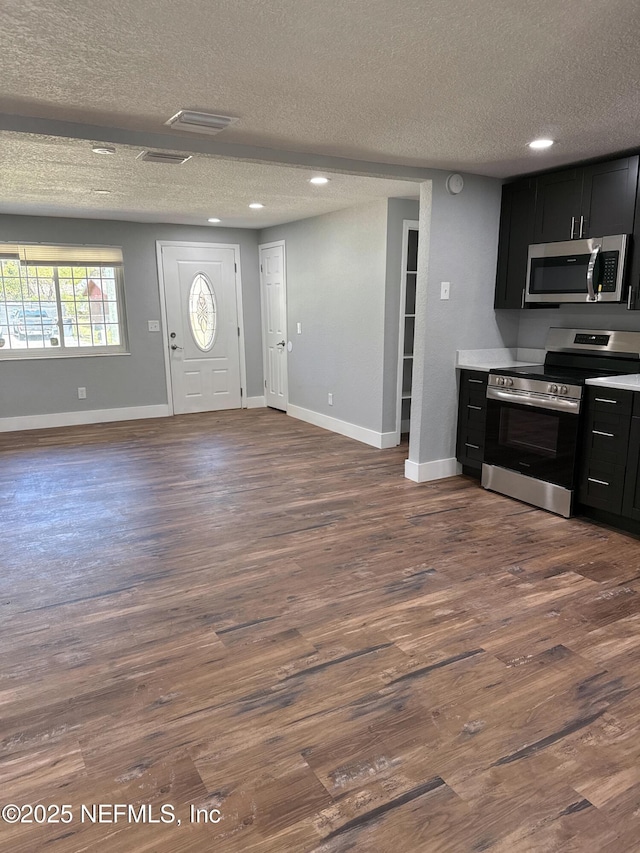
(589, 270)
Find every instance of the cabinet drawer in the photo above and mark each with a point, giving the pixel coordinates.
(606, 437)
(471, 448)
(610, 400)
(473, 415)
(602, 487)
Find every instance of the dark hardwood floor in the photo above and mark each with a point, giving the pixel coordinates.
(242, 612)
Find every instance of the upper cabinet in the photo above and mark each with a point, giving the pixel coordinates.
(516, 233)
(586, 201)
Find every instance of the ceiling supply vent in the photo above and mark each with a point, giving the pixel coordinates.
(163, 157)
(196, 122)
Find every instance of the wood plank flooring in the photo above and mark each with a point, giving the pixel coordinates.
(242, 612)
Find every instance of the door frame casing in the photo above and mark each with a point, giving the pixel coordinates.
(175, 244)
(272, 245)
(407, 225)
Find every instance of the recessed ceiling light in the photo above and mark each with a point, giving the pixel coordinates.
(319, 180)
(104, 149)
(539, 144)
(256, 205)
(102, 192)
(213, 219)
(198, 122)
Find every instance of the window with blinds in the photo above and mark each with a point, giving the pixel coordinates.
(61, 300)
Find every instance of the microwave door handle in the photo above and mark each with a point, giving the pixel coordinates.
(590, 269)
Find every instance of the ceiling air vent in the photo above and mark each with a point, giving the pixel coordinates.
(199, 122)
(163, 157)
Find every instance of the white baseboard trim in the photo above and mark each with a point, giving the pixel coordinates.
(367, 436)
(256, 402)
(95, 416)
(422, 472)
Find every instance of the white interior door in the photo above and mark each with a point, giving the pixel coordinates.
(202, 327)
(273, 293)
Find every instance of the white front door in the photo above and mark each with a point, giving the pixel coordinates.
(273, 294)
(202, 328)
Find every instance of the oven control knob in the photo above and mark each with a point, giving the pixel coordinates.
(564, 390)
(500, 380)
(509, 381)
(553, 389)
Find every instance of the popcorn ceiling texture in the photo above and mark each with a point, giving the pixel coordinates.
(59, 177)
(423, 82)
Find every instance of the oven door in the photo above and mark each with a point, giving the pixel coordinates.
(532, 440)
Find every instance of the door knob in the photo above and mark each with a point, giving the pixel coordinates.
(281, 344)
(175, 346)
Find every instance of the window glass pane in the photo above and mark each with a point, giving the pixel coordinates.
(202, 312)
(50, 308)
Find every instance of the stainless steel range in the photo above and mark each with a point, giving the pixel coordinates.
(533, 415)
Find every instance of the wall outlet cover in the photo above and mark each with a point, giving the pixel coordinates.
(154, 325)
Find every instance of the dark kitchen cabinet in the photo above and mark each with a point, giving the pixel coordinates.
(472, 415)
(609, 197)
(631, 496)
(517, 217)
(605, 442)
(586, 201)
(558, 204)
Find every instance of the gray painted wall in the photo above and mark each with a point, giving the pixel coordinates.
(534, 323)
(458, 243)
(398, 209)
(336, 278)
(45, 386)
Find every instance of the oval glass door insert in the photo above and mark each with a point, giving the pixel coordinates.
(202, 312)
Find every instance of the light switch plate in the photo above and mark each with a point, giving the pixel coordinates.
(154, 325)
(299, 328)
(444, 289)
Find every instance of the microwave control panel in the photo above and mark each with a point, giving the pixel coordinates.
(609, 268)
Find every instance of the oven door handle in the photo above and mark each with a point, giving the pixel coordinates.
(590, 269)
(530, 398)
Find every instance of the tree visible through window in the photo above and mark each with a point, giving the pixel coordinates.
(60, 300)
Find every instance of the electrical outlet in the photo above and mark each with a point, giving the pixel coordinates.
(299, 328)
(330, 398)
(153, 325)
(444, 289)
(82, 393)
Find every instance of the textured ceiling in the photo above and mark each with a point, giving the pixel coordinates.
(431, 83)
(59, 177)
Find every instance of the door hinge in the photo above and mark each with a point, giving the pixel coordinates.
(238, 331)
(241, 392)
(235, 266)
(261, 270)
(265, 383)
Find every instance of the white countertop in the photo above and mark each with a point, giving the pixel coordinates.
(490, 359)
(627, 382)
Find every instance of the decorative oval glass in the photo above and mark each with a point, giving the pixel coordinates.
(202, 312)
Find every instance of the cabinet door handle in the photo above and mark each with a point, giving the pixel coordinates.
(582, 224)
(599, 482)
(573, 226)
(477, 381)
(522, 300)
(475, 408)
(599, 432)
(477, 447)
(605, 400)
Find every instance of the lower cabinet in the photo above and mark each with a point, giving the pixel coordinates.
(609, 477)
(631, 496)
(472, 415)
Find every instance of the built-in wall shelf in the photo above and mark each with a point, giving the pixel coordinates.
(407, 321)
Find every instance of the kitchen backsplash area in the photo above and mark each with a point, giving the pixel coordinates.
(535, 323)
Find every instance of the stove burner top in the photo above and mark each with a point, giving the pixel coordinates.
(566, 375)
